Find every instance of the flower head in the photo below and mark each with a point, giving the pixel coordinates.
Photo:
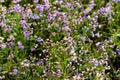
(39, 39)
(40, 8)
(36, 1)
(17, 8)
(16, 1)
(20, 45)
(118, 51)
(3, 46)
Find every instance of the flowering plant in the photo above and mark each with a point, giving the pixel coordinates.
(59, 39)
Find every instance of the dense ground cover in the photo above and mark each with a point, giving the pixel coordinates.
(59, 39)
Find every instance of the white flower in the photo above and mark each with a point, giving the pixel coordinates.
(1, 39)
(2, 0)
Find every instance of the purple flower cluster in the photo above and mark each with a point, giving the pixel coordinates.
(40, 8)
(17, 8)
(116, 1)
